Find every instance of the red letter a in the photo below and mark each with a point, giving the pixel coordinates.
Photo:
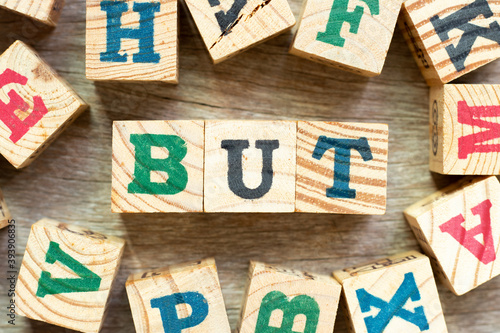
(485, 253)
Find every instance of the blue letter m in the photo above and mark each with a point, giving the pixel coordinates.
(144, 33)
(393, 308)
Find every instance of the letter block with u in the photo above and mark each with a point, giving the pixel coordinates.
(67, 274)
(177, 299)
(342, 167)
(229, 27)
(132, 40)
(458, 227)
(464, 124)
(451, 38)
(250, 166)
(36, 105)
(392, 295)
(347, 34)
(279, 299)
(157, 166)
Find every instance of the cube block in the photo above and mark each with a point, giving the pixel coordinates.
(45, 11)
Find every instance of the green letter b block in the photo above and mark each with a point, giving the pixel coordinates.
(144, 164)
(276, 300)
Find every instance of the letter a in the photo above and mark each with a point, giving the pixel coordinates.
(144, 164)
(484, 253)
(88, 281)
(474, 143)
(171, 321)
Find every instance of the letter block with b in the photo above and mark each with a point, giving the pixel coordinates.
(67, 274)
(157, 166)
(465, 129)
(392, 295)
(36, 105)
(451, 38)
(229, 27)
(132, 40)
(459, 228)
(250, 166)
(341, 167)
(177, 299)
(283, 300)
(347, 34)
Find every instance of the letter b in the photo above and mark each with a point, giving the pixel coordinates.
(171, 321)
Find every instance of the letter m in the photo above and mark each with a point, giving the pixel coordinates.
(477, 142)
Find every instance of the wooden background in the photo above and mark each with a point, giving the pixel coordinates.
(71, 180)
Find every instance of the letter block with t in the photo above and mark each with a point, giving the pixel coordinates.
(250, 166)
(45, 11)
(392, 295)
(229, 27)
(342, 167)
(459, 228)
(465, 129)
(180, 298)
(67, 274)
(451, 38)
(347, 34)
(36, 105)
(132, 40)
(283, 300)
(157, 166)
(4, 212)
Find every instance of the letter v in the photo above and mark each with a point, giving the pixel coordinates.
(88, 281)
(225, 20)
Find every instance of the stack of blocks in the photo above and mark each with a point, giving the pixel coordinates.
(458, 229)
(66, 275)
(394, 294)
(249, 166)
(40, 105)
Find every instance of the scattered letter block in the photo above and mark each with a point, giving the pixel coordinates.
(395, 294)
(451, 38)
(284, 300)
(45, 11)
(322, 35)
(228, 27)
(4, 212)
(36, 105)
(184, 297)
(66, 275)
(465, 129)
(342, 167)
(157, 166)
(250, 166)
(459, 228)
(132, 40)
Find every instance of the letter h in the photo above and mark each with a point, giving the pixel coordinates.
(144, 33)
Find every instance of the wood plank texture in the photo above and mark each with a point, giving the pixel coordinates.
(71, 181)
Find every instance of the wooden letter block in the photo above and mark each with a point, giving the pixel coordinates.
(66, 275)
(459, 227)
(132, 40)
(284, 300)
(250, 166)
(36, 105)
(347, 34)
(451, 38)
(184, 297)
(342, 167)
(229, 27)
(157, 166)
(465, 129)
(45, 11)
(4, 212)
(392, 295)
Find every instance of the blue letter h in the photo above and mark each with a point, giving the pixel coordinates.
(115, 32)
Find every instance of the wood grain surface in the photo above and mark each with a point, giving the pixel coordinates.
(71, 180)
